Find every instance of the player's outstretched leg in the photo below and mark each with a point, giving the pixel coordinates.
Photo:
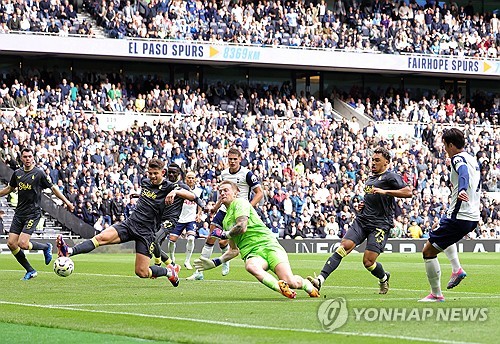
(284, 272)
(171, 272)
(62, 247)
(458, 274)
(285, 290)
(331, 264)
(224, 246)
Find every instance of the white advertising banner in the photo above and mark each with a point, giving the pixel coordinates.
(248, 55)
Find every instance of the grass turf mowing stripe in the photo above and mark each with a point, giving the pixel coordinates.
(11, 333)
(242, 325)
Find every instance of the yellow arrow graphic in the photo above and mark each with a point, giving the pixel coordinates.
(486, 66)
(213, 52)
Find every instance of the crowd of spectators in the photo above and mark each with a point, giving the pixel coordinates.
(312, 168)
(386, 26)
(54, 17)
(439, 106)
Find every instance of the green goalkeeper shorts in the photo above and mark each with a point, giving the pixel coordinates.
(272, 254)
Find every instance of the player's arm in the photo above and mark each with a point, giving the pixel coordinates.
(6, 190)
(405, 192)
(463, 178)
(180, 192)
(254, 184)
(240, 227)
(59, 195)
(258, 195)
(216, 206)
(206, 264)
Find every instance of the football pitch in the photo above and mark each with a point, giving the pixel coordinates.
(103, 302)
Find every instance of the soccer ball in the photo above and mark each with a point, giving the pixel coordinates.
(64, 266)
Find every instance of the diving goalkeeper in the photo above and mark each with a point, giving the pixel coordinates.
(259, 249)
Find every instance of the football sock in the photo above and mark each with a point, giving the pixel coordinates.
(270, 281)
(171, 249)
(157, 260)
(333, 262)
(452, 254)
(157, 271)
(189, 247)
(21, 258)
(206, 252)
(33, 245)
(433, 271)
(306, 285)
(85, 247)
(165, 258)
(378, 271)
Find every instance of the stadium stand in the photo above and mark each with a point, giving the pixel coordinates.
(318, 189)
(99, 169)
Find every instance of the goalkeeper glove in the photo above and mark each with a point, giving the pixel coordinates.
(219, 233)
(203, 263)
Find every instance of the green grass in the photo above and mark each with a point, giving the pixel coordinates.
(104, 302)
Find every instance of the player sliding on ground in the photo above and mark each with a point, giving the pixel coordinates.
(248, 184)
(156, 193)
(259, 249)
(373, 221)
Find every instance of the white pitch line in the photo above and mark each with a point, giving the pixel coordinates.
(240, 325)
(256, 282)
(222, 302)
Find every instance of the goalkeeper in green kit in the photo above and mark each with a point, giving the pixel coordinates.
(259, 248)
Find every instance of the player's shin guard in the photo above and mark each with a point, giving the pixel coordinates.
(171, 249)
(33, 245)
(452, 254)
(21, 259)
(206, 252)
(377, 270)
(271, 282)
(85, 247)
(157, 271)
(333, 262)
(189, 247)
(433, 271)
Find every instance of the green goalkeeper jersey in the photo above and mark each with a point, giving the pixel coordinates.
(257, 234)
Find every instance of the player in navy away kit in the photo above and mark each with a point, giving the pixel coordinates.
(188, 215)
(373, 221)
(462, 217)
(29, 181)
(247, 183)
(156, 192)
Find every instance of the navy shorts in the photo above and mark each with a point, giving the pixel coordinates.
(450, 231)
(218, 218)
(376, 238)
(24, 224)
(144, 243)
(179, 228)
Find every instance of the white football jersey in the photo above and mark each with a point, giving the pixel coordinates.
(244, 178)
(465, 210)
(189, 208)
